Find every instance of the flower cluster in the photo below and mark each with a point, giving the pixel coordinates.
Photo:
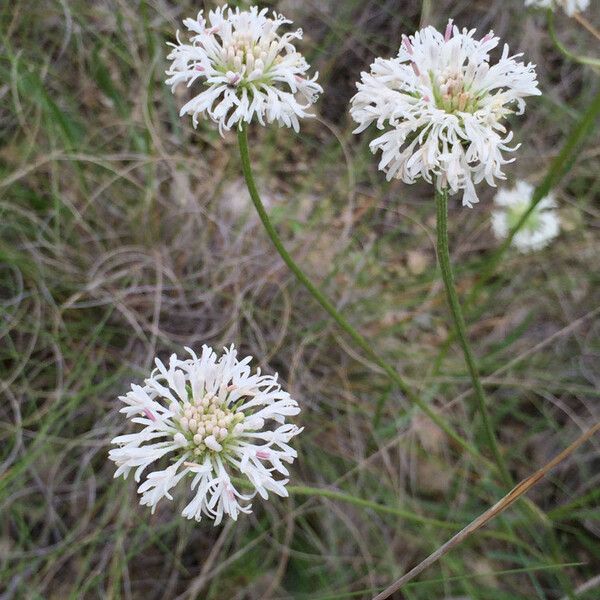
(541, 226)
(441, 105)
(247, 69)
(569, 6)
(217, 421)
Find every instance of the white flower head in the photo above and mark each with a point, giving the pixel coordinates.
(247, 69)
(219, 423)
(541, 226)
(441, 105)
(569, 6)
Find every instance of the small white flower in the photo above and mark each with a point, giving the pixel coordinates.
(569, 6)
(216, 420)
(442, 106)
(542, 225)
(246, 69)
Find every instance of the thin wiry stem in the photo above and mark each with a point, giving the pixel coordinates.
(584, 60)
(489, 514)
(443, 252)
(305, 490)
(318, 295)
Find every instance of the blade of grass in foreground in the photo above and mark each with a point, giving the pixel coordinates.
(489, 514)
(532, 569)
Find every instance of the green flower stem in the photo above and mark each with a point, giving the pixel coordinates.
(358, 339)
(584, 60)
(304, 490)
(558, 168)
(412, 517)
(311, 492)
(443, 252)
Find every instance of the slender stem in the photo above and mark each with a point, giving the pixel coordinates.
(305, 490)
(443, 252)
(327, 305)
(312, 492)
(331, 494)
(584, 60)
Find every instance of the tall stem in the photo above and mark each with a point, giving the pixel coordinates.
(584, 60)
(327, 305)
(441, 201)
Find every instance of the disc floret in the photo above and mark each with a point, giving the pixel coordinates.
(209, 424)
(451, 92)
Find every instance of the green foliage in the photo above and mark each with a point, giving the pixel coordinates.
(122, 238)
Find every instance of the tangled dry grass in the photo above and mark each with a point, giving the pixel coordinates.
(124, 234)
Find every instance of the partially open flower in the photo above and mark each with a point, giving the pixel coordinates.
(247, 69)
(541, 226)
(216, 420)
(442, 105)
(569, 6)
